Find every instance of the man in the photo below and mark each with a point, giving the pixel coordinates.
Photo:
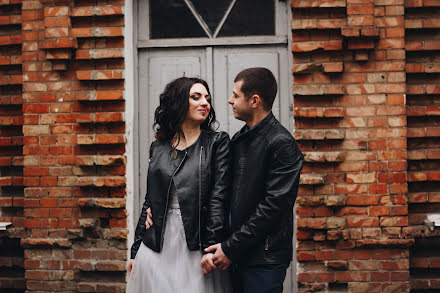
(266, 168)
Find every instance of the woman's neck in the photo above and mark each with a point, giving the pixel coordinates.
(191, 133)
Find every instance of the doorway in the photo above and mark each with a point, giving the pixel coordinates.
(213, 40)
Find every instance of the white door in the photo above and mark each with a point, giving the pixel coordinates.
(204, 43)
(228, 62)
(156, 69)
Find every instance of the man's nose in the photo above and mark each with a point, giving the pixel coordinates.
(230, 100)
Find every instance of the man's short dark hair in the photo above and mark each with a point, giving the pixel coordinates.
(260, 81)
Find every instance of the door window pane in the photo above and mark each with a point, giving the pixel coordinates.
(212, 11)
(250, 19)
(173, 19)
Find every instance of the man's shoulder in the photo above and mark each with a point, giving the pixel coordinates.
(281, 141)
(277, 133)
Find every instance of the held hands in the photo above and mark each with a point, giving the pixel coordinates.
(207, 264)
(149, 221)
(209, 261)
(220, 260)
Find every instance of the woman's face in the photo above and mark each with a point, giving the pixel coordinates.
(199, 106)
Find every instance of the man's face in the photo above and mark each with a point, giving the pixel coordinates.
(240, 105)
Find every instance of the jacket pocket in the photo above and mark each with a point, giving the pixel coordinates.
(149, 238)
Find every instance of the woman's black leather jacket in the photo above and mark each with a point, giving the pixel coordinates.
(202, 198)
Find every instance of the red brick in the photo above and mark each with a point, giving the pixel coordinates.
(362, 254)
(380, 276)
(352, 276)
(357, 221)
(379, 210)
(305, 256)
(362, 200)
(60, 212)
(32, 223)
(324, 255)
(306, 277)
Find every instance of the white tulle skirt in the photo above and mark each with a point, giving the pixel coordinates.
(175, 268)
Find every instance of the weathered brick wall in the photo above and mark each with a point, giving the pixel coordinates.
(350, 116)
(422, 73)
(74, 164)
(11, 148)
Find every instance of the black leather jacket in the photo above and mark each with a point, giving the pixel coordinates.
(202, 181)
(266, 168)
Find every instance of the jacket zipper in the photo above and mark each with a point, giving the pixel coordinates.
(200, 195)
(266, 245)
(166, 206)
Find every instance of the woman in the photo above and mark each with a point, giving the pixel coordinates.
(187, 186)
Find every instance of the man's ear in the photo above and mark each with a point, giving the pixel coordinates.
(256, 101)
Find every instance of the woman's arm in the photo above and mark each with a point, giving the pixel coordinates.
(216, 205)
(141, 227)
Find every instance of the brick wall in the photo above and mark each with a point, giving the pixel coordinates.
(11, 148)
(422, 73)
(349, 93)
(73, 128)
(366, 116)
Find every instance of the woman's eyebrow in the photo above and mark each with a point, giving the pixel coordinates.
(197, 93)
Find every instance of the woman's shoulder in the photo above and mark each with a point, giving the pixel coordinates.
(158, 144)
(216, 135)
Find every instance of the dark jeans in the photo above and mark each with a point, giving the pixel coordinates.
(259, 279)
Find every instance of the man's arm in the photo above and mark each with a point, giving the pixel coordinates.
(281, 191)
(214, 230)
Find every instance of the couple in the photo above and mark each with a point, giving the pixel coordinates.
(212, 203)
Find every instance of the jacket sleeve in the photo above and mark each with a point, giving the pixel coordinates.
(140, 227)
(215, 229)
(281, 188)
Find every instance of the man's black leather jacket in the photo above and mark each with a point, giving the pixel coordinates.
(202, 181)
(266, 168)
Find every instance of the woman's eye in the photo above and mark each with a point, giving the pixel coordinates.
(194, 97)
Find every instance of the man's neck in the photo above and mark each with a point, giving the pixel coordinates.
(257, 118)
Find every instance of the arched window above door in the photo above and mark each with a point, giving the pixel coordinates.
(211, 18)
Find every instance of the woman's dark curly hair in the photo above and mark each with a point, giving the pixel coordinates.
(173, 109)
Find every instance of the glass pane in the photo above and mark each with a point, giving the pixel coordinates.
(173, 19)
(212, 11)
(250, 19)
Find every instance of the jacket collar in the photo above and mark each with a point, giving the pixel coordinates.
(268, 120)
(201, 141)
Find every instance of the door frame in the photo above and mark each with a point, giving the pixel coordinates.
(132, 44)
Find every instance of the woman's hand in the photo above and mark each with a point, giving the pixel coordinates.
(149, 220)
(207, 264)
(130, 266)
(220, 260)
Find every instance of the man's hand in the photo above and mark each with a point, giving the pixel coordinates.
(130, 266)
(207, 264)
(221, 261)
(149, 220)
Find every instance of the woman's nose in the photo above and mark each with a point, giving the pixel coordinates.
(204, 102)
